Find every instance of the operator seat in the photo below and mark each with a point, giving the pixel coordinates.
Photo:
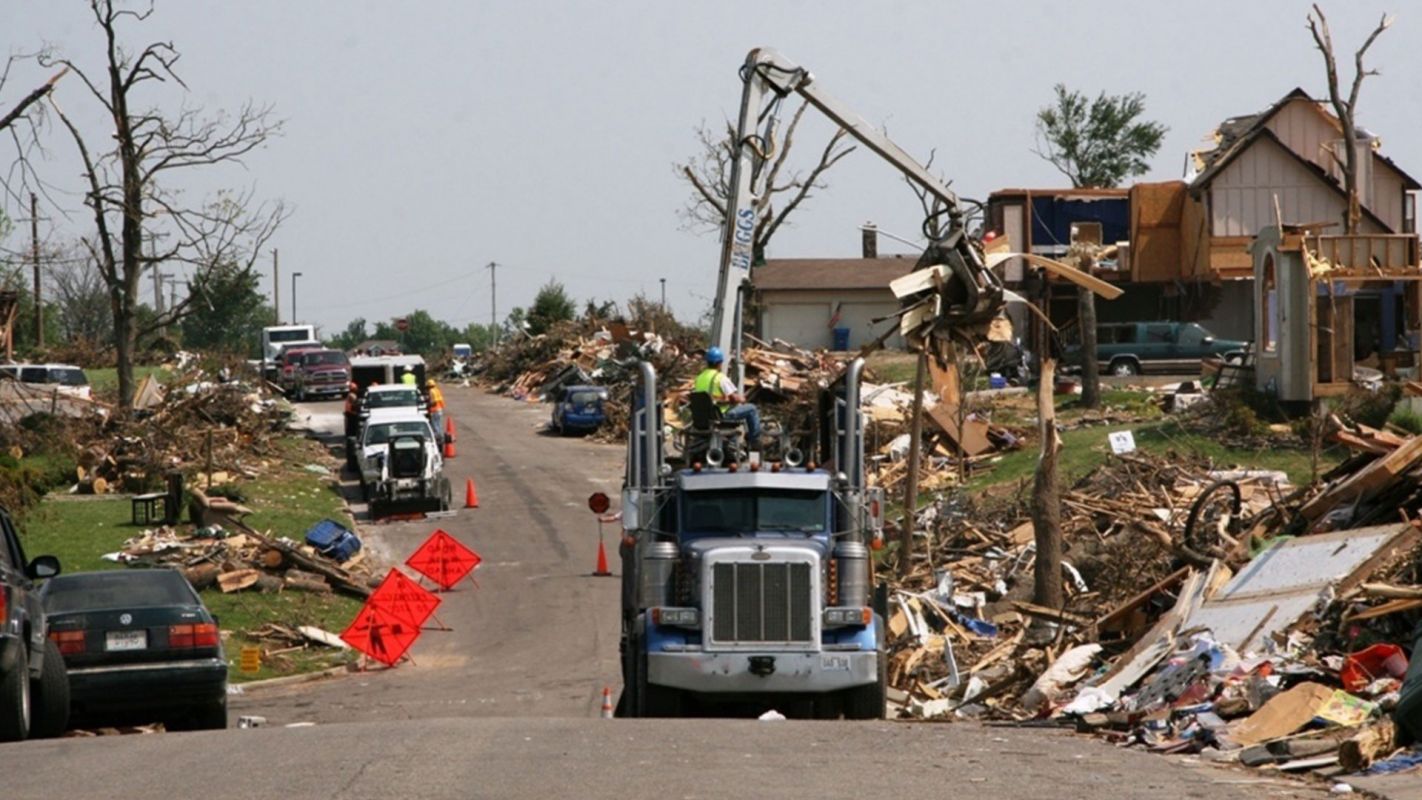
(706, 424)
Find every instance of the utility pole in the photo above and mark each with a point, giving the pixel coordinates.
(34, 253)
(276, 284)
(664, 293)
(492, 267)
(294, 276)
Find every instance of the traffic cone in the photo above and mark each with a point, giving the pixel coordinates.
(606, 703)
(471, 497)
(602, 570)
(449, 429)
(449, 448)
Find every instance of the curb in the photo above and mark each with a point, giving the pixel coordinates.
(286, 680)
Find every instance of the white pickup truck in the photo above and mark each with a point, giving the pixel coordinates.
(400, 464)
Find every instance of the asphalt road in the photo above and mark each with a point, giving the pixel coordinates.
(507, 703)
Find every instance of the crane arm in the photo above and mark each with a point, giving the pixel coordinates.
(769, 77)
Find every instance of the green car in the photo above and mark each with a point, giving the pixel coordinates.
(1137, 348)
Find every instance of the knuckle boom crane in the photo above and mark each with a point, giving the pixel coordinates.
(749, 581)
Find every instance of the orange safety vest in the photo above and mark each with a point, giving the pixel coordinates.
(436, 399)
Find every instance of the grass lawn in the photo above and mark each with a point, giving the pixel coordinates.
(286, 501)
(103, 381)
(1085, 448)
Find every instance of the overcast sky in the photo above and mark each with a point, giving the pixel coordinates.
(423, 140)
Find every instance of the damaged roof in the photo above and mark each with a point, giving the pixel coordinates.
(830, 273)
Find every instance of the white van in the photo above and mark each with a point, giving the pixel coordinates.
(66, 378)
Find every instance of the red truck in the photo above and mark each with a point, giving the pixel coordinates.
(321, 373)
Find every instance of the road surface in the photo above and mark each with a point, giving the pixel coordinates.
(507, 703)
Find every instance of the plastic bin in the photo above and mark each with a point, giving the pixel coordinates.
(841, 339)
(333, 540)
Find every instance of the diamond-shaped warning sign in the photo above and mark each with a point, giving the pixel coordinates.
(443, 559)
(380, 636)
(403, 599)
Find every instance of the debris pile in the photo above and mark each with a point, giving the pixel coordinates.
(235, 557)
(1208, 611)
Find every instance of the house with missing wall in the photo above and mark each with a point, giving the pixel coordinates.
(1185, 251)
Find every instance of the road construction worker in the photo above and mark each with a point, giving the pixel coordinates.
(436, 408)
(408, 378)
(732, 403)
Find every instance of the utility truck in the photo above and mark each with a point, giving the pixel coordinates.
(747, 577)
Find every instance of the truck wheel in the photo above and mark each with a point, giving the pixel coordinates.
(15, 696)
(867, 702)
(51, 696)
(654, 700)
(1123, 367)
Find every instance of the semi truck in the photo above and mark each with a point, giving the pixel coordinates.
(747, 577)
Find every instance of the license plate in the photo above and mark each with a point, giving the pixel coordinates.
(126, 640)
(835, 663)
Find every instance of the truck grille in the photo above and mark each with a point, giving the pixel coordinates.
(755, 602)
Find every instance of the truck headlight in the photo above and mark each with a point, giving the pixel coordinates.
(845, 616)
(677, 617)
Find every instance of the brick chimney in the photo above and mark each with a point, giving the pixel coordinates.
(869, 237)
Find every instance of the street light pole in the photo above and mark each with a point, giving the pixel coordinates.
(492, 267)
(294, 276)
(664, 293)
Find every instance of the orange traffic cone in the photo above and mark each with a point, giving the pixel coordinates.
(471, 497)
(449, 448)
(449, 429)
(606, 703)
(602, 570)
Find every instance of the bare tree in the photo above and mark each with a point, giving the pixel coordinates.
(127, 190)
(80, 296)
(22, 129)
(709, 174)
(1345, 109)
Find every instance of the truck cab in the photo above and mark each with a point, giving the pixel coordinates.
(750, 582)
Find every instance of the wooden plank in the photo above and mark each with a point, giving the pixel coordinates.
(1064, 271)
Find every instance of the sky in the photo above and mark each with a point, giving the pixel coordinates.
(422, 140)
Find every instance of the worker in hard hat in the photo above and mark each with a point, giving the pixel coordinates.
(436, 409)
(732, 403)
(408, 378)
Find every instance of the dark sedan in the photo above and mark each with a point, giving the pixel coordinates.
(139, 646)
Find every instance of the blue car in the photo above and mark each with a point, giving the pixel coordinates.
(579, 409)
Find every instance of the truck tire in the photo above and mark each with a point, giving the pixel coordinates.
(50, 696)
(1124, 367)
(654, 700)
(15, 696)
(867, 702)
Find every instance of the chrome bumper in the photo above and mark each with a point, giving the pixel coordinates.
(826, 671)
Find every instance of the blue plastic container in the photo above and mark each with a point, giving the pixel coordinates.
(841, 339)
(996, 381)
(333, 540)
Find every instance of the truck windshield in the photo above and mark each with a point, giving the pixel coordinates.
(324, 357)
(297, 335)
(393, 399)
(380, 434)
(749, 510)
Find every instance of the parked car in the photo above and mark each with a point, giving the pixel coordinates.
(400, 464)
(579, 408)
(322, 373)
(139, 646)
(288, 363)
(65, 378)
(1137, 348)
(34, 691)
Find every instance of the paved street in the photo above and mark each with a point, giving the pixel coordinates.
(507, 703)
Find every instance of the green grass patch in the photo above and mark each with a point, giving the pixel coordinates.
(103, 381)
(286, 502)
(1084, 449)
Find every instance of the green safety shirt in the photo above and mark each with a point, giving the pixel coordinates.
(709, 381)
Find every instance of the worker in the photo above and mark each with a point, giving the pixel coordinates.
(436, 409)
(408, 378)
(714, 382)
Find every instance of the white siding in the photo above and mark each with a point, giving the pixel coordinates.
(804, 324)
(856, 317)
(1015, 223)
(1242, 195)
(1387, 196)
(1307, 132)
